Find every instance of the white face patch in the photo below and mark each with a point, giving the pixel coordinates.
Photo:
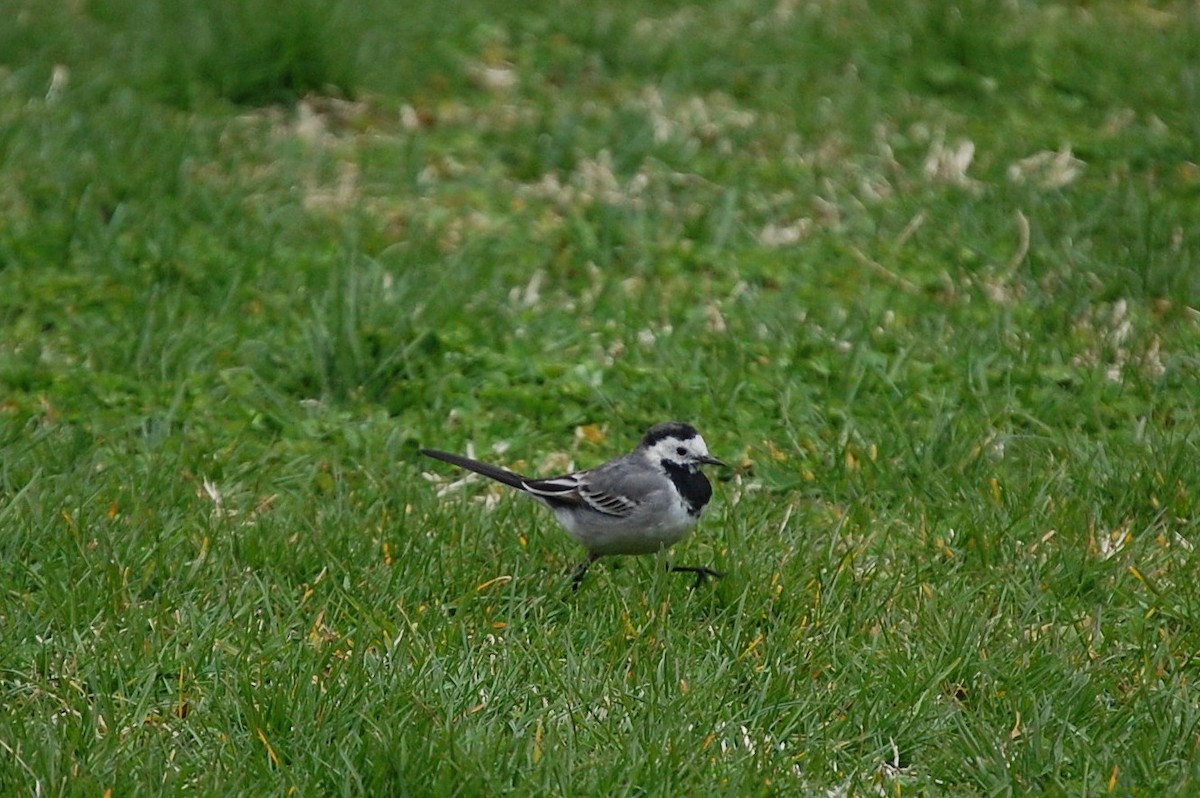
(688, 452)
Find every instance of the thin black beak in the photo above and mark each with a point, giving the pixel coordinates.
(708, 459)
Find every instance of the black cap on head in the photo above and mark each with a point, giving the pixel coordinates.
(669, 429)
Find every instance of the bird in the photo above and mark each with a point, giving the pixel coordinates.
(642, 502)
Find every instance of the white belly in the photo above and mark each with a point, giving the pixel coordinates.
(639, 533)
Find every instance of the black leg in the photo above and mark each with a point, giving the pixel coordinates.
(582, 570)
(701, 573)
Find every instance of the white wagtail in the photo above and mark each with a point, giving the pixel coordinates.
(639, 503)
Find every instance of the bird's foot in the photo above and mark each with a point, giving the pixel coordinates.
(700, 571)
(582, 570)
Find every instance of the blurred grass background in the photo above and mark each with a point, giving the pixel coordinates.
(925, 273)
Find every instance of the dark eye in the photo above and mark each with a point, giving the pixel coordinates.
(681, 451)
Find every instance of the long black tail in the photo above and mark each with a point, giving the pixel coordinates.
(490, 471)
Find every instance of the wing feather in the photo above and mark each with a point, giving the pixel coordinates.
(609, 503)
(574, 489)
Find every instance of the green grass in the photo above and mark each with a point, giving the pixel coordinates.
(251, 261)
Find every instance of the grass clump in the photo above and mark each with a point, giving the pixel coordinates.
(922, 274)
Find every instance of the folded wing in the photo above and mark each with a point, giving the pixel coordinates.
(575, 489)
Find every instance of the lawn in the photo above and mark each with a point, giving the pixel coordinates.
(925, 274)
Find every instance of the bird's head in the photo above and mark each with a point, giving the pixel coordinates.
(677, 444)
